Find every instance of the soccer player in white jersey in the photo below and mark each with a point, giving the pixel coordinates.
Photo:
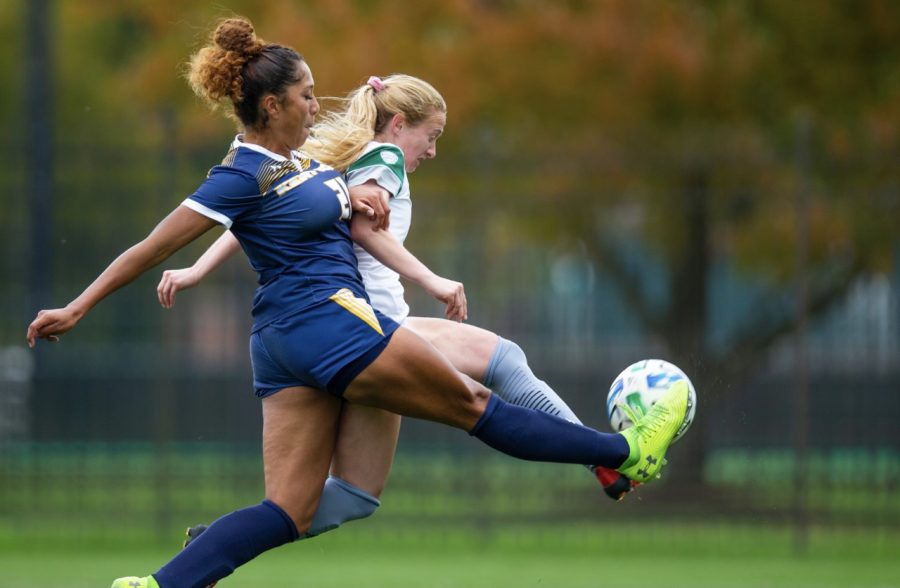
(386, 129)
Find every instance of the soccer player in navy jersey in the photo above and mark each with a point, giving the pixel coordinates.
(316, 340)
(384, 131)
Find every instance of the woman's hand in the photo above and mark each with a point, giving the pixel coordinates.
(172, 281)
(50, 324)
(450, 293)
(373, 201)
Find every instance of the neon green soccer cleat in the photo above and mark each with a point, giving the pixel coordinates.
(651, 435)
(135, 582)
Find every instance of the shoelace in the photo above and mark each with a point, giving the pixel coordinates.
(650, 422)
(633, 414)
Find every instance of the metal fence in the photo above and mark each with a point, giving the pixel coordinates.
(145, 418)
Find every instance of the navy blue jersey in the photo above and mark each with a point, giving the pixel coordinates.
(289, 215)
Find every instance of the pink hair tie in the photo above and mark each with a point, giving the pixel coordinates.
(376, 83)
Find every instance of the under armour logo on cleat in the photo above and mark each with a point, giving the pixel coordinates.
(651, 460)
(134, 584)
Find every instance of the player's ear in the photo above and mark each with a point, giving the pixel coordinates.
(270, 104)
(398, 121)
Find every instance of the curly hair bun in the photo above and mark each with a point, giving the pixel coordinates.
(229, 68)
(237, 35)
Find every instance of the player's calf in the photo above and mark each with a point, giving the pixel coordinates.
(340, 503)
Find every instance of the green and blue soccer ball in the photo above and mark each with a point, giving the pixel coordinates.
(639, 386)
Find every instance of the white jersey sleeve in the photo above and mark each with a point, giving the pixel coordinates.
(383, 163)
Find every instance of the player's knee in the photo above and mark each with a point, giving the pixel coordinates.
(517, 350)
(506, 359)
(341, 502)
(512, 352)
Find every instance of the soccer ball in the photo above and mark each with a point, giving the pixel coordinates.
(639, 386)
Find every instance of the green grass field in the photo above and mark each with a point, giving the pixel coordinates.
(670, 556)
(78, 517)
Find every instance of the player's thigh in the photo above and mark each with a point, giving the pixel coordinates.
(469, 348)
(366, 442)
(299, 430)
(411, 378)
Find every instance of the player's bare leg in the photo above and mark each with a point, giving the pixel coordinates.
(366, 443)
(299, 429)
(502, 366)
(469, 348)
(363, 456)
(410, 377)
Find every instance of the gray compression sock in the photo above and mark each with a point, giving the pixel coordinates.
(509, 376)
(341, 502)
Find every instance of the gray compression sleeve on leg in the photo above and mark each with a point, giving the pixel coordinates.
(509, 376)
(341, 502)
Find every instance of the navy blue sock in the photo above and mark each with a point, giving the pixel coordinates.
(537, 436)
(229, 542)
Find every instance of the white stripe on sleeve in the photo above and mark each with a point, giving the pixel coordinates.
(207, 212)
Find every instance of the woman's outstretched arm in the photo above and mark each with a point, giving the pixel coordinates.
(179, 228)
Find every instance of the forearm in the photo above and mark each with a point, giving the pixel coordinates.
(175, 231)
(387, 249)
(384, 247)
(217, 253)
(123, 270)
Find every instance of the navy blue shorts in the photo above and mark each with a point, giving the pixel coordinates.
(324, 346)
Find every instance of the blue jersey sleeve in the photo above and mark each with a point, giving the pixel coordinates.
(226, 195)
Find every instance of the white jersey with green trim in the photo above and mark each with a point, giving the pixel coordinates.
(383, 162)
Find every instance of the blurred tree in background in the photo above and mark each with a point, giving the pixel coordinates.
(674, 130)
(715, 183)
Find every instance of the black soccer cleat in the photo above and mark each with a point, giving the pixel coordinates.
(192, 533)
(614, 484)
